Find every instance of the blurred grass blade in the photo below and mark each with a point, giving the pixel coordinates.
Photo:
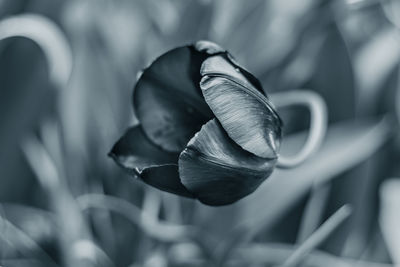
(23, 263)
(22, 241)
(41, 163)
(273, 254)
(72, 224)
(319, 236)
(373, 64)
(346, 145)
(151, 204)
(51, 135)
(48, 36)
(389, 217)
(313, 212)
(39, 225)
(333, 75)
(172, 206)
(391, 10)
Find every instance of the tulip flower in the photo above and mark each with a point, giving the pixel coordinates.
(207, 129)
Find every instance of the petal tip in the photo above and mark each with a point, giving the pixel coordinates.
(209, 47)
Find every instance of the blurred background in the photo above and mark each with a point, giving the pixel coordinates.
(65, 98)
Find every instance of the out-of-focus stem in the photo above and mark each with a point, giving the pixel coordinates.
(20, 239)
(318, 236)
(313, 212)
(76, 234)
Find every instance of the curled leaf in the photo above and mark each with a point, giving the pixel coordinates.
(134, 151)
(243, 111)
(217, 170)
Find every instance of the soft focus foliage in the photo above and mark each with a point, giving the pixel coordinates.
(64, 202)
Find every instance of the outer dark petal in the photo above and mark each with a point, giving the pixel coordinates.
(168, 101)
(246, 115)
(217, 170)
(134, 151)
(165, 178)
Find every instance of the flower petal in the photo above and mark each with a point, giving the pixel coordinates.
(217, 170)
(134, 151)
(165, 178)
(208, 47)
(246, 115)
(168, 100)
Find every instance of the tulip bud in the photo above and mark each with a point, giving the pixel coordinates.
(207, 130)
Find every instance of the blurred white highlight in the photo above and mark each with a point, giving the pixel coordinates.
(389, 218)
(87, 250)
(48, 36)
(84, 249)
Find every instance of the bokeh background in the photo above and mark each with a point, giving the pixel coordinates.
(63, 202)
